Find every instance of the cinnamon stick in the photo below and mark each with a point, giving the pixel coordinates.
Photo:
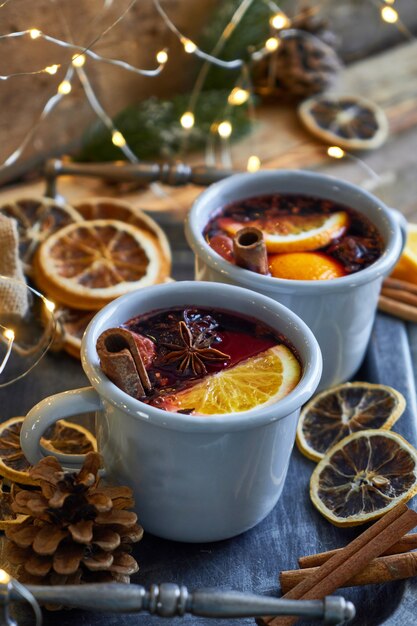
(401, 295)
(249, 250)
(402, 285)
(121, 361)
(403, 311)
(351, 560)
(408, 542)
(382, 570)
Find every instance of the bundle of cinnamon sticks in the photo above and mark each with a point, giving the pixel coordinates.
(355, 564)
(399, 298)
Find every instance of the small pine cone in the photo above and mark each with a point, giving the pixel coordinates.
(78, 529)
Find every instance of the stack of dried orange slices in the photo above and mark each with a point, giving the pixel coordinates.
(83, 257)
(364, 468)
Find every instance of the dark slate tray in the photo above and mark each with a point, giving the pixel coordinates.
(252, 561)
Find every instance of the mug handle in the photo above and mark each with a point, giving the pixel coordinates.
(46, 413)
(402, 223)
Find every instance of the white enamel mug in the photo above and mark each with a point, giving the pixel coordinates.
(195, 478)
(340, 312)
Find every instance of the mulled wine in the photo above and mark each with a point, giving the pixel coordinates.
(304, 237)
(208, 361)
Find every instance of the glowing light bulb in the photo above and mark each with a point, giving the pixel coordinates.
(35, 33)
(272, 44)
(162, 57)
(118, 139)
(224, 129)
(187, 119)
(279, 21)
(64, 88)
(238, 96)
(52, 69)
(335, 152)
(9, 334)
(389, 15)
(254, 163)
(78, 60)
(51, 306)
(4, 577)
(189, 46)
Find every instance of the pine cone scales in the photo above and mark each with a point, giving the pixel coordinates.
(78, 529)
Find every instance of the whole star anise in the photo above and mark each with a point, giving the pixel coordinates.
(193, 351)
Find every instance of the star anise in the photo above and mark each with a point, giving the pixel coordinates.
(193, 351)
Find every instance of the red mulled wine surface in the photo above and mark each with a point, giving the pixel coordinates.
(235, 336)
(360, 246)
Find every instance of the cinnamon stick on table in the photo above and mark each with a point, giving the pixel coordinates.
(382, 570)
(399, 298)
(408, 542)
(121, 361)
(351, 560)
(249, 250)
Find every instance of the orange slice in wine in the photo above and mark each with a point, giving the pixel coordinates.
(305, 266)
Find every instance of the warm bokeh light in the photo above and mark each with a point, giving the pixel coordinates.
(9, 334)
(162, 57)
(389, 15)
(335, 152)
(279, 21)
(272, 44)
(4, 577)
(187, 120)
(35, 33)
(224, 129)
(64, 88)
(78, 60)
(254, 163)
(52, 69)
(51, 306)
(118, 139)
(238, 96)
(189, 46)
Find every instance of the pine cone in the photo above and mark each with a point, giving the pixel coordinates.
(78, 529)
(305, 62)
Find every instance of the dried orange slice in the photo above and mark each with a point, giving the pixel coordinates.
(113, 209)
(294, 233)
(255, 382)
(406, 268)
(347, 121)
(364, 476)
(64, 437)
(71, 324)
(8, 517)
(36, 219)
(87, 265)
(305, 266)
(336, 413)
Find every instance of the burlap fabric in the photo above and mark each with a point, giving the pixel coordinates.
(13, 294)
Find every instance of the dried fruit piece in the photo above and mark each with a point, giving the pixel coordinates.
(336, 413)
(36, 219)
(364, 476)
(71, 324)
(348, 121)
(87, 265)
(64, 437)
(8, 517)
(406, 268)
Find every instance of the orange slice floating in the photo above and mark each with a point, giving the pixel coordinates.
(87, 265)
(305, 266)
(294, 233)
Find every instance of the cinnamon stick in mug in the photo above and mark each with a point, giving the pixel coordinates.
(249, 250)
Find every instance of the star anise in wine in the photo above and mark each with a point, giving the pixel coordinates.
(192, 352)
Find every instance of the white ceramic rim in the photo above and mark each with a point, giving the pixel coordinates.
(312, 363)
(246, 278)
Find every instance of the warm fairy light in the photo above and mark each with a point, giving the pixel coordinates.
(118, 139)
(224, 129)
(50, 305)
(272, 44)
(335, 152)
(389, 1)
(279, 20)
(162, 57)
(187, 119)
(52, 69)
(189, 46)
(64, 88)
(35, 33)
(238, 96)
(4, 577)
(254, 163)
(78, 60)
(9, 334)
(389, 15)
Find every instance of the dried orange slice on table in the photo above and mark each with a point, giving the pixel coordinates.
(255, 382)
(65, 437)
(294, 233)
(87, 265)
(364, 476)
(336, 413)
(36, 219)
(71, 324)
